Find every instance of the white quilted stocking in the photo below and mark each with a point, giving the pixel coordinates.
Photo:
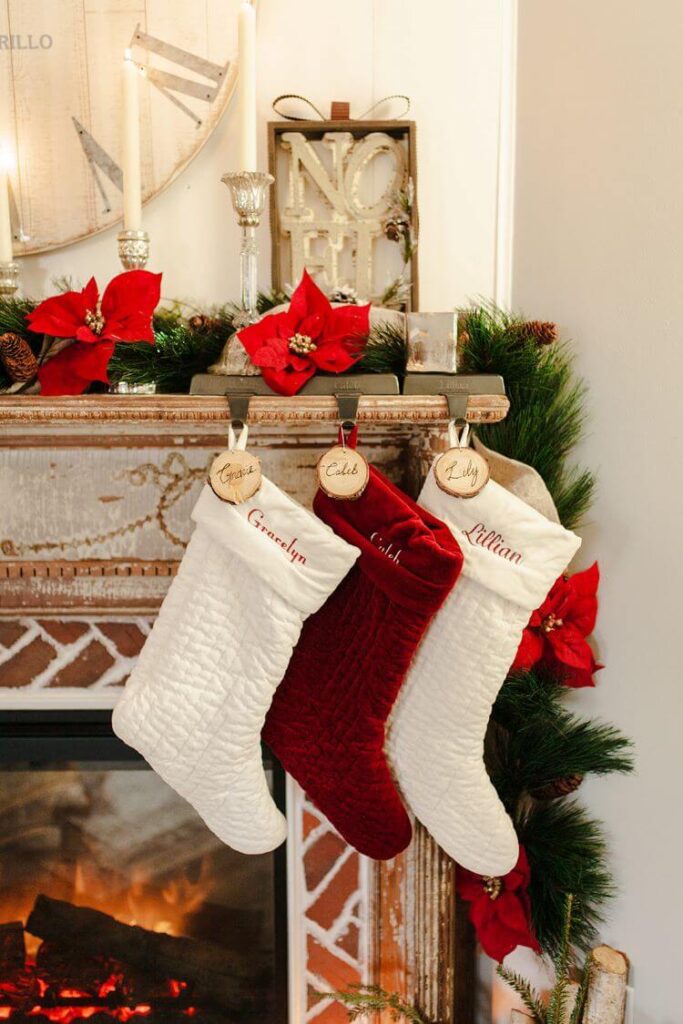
(196, 701)
(512, 556)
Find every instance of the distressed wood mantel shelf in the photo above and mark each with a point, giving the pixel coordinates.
(202, 419)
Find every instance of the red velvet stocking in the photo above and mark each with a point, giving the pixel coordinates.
(327, 720)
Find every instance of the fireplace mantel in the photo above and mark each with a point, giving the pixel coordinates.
(193, 416)
(96, 496)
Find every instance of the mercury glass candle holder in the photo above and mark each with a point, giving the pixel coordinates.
(248, 190)
(124, 388)
(9, 278)
(133, 249)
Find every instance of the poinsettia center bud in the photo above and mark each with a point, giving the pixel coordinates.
(550, 623)
(94, 320)
(302, 344)
(492, 886)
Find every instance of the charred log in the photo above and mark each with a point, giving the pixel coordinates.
(216, 976)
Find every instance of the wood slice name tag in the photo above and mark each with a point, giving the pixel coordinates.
(343, 473)
(235, 476)
(462, 472)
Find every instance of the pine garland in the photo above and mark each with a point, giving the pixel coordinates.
(179, 352)
(529, 745)
(567, 852)
(540, 741)
(386, 351)
(546, 418)
(13, 313)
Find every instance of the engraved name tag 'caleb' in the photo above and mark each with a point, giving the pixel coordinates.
(235, 476)
(343, 473)
(462, 472)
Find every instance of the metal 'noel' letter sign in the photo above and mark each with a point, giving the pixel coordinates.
(343, 208)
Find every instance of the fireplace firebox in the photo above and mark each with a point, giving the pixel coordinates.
(116, 902)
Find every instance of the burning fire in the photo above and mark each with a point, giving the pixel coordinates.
(35, 992)
(67, 1004)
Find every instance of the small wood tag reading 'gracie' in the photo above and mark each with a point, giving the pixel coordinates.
(343, 473)
(462, 472)
(235, 476)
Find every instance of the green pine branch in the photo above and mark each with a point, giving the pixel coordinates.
(526, 992)
(386, 351)
(539, 741)
(562, 962)
(547, 403)
(13, 313)
(269, 300)
(554, 1010)
(179, 352)
(577, 1013)
(567, 853)
(534, 741)
(363, 1000)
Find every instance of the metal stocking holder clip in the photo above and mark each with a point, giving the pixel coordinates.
(456, 389)
(461, 471)
(347, 406)
(239, 408)
(235, 474)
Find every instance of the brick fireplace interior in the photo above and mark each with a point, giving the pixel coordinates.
(116, 902)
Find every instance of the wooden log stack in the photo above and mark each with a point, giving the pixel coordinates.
(218, 977)
(606, 995)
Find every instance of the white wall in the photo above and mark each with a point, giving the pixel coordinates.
(598, 229)
(437, 51)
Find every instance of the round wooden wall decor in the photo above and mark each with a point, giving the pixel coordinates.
(61, 97)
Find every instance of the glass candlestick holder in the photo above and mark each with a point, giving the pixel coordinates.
(9, 278)
(248, 190)
(133, 249)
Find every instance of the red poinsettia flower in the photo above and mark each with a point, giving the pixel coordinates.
(557, 631)
(312, 335)
(500, 909)
(123, 314)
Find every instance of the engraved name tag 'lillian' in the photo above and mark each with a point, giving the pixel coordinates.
(235, 476)
(343, 473)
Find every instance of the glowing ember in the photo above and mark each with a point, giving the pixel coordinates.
(67, 1004)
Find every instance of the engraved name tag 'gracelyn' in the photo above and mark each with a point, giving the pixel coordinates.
(462, 472)
(235, 476)
(343, 473)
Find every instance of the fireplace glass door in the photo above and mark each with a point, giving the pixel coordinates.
(116, 902)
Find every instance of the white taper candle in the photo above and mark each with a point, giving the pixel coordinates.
(132, 187)
(246, 87)
(5, 220)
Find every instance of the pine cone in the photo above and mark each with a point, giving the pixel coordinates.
(557, 788)
(543, 332)
(200, 323)
(395, 228)
(17, 358)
